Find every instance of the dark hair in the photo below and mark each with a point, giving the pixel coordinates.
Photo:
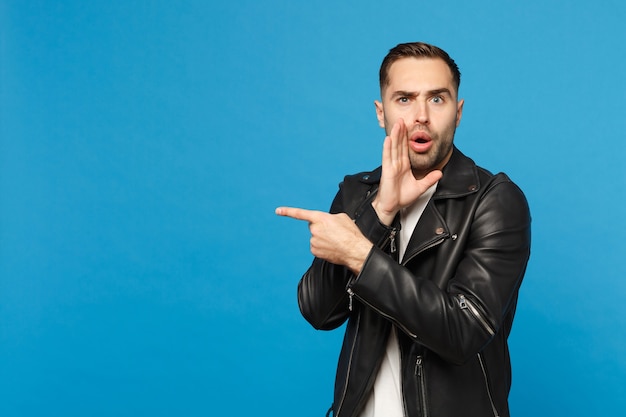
(417, 50)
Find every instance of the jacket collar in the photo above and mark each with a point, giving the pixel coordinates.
(460, 177)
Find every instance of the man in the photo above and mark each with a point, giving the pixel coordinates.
(423, 256)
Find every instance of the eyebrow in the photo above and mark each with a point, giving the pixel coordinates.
(440, 91)
(437, 91)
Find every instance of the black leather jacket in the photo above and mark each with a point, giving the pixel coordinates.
(452, 299)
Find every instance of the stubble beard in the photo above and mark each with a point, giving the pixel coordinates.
(435, 158)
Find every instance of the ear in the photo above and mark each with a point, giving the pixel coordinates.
(459, 111)
(380, 113)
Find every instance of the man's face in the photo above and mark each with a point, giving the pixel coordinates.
(421, 92)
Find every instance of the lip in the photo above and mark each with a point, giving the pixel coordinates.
(420, 142)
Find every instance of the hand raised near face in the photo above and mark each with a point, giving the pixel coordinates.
(398, 186)
(334, 237)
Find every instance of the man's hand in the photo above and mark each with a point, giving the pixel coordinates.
(334, 237)
(398, 186)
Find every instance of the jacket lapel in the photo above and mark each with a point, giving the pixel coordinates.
(430, 230)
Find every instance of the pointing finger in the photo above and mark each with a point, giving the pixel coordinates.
(298, 213)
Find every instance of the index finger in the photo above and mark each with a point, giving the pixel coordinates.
(298, 213)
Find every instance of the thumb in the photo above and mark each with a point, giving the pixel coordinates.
(430, 179)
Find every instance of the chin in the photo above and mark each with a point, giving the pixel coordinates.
(423, 163)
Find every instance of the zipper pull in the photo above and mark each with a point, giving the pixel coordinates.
(418, 366)
(393, 240)
(462, 302)
(350, 294)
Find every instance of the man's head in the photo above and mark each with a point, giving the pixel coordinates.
(419, 87)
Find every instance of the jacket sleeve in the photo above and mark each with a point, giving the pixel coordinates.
(457, 321)
(322, 291)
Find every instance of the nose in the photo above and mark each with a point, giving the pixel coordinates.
(421, 113)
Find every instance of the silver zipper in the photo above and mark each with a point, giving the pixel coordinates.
(345, 387)
(465, 304)
(392, 238)
(387, 316)
(482, 367)
(430, 245)
(350, 296)
(419, 372)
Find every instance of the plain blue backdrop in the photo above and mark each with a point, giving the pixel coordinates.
(145, 144)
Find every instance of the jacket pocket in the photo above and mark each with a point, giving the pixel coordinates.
(421, 385)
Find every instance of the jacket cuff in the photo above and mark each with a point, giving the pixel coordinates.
(374, 265)
(367, 221)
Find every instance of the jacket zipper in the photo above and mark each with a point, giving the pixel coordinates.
(392, 240)
(482, 367)
(419, 373)
(345, 386)
(392, 244)
(430, 245)
(465, 304)
(352, 295)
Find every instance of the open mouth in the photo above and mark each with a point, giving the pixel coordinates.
(420, 136)
(420, 142)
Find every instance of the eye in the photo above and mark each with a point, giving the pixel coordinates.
(403, 99)
(437, 99)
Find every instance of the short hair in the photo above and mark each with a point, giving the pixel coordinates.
(417, 50)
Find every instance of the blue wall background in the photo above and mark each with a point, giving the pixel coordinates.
(145, 145)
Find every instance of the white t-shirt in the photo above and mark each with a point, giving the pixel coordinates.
(386, 397)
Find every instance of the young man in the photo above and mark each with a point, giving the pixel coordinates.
(423, 256)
